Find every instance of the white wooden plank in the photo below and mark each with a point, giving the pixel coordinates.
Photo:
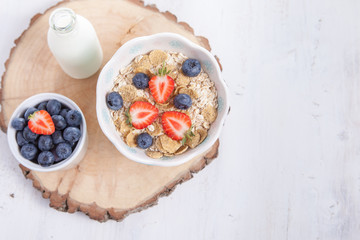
(289, 158)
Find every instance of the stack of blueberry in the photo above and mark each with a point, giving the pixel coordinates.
(48, 133)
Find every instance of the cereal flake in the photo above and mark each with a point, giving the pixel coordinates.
(128, 92)
(154, 154)
(209, 113)
(193, 141)
(131, 139)
(157, 57)
(182, 80)
(169, 144)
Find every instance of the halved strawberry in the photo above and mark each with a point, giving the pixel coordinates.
(142, 114)
(176, 124)
(40, 122)
(161, 85)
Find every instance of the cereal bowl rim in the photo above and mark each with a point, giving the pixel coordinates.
(100, 100)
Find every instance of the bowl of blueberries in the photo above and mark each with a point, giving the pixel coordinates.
(47, 132)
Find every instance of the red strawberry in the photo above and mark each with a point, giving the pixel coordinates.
(176, 124)
(40, 122)
(161, 85)
(142, 114)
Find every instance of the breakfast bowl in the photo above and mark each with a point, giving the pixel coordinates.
(78, 149)
(143, 45)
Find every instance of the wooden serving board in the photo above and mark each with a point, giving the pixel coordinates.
(105, 185)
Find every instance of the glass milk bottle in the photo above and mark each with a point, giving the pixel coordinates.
(73, 41)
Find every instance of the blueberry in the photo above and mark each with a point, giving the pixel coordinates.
(72, 134)
(20, 139)
(73, 118)
(64, 111)
(72, 144)
(18, 123)
(57, 137)
(59, 122)
(29, 135)
(114, 101)
(63, 150)
(57, 158)
(53, 107)
(29, 111)
(141, 80)
(182, 101)
(144, 140)
(42, 106)
(46, 158)
(29, 151)
(45, 143)
(191, 67)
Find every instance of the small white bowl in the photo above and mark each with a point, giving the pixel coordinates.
(142, 45)
(78, 153)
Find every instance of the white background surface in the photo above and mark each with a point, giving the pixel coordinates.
(289, 163)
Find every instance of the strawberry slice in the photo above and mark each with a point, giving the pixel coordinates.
(142, 114)
(176, 124)
(161, 85)
(40, 122)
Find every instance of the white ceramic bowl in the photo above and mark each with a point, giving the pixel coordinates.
(142, 45)
(78, 153)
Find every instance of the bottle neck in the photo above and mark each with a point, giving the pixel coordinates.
(62, 20)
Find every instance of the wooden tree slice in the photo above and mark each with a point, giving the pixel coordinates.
(105, 185)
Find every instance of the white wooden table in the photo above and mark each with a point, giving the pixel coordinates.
(289, 163)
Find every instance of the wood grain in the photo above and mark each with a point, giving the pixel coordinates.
(105, 185)
(289, 165)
